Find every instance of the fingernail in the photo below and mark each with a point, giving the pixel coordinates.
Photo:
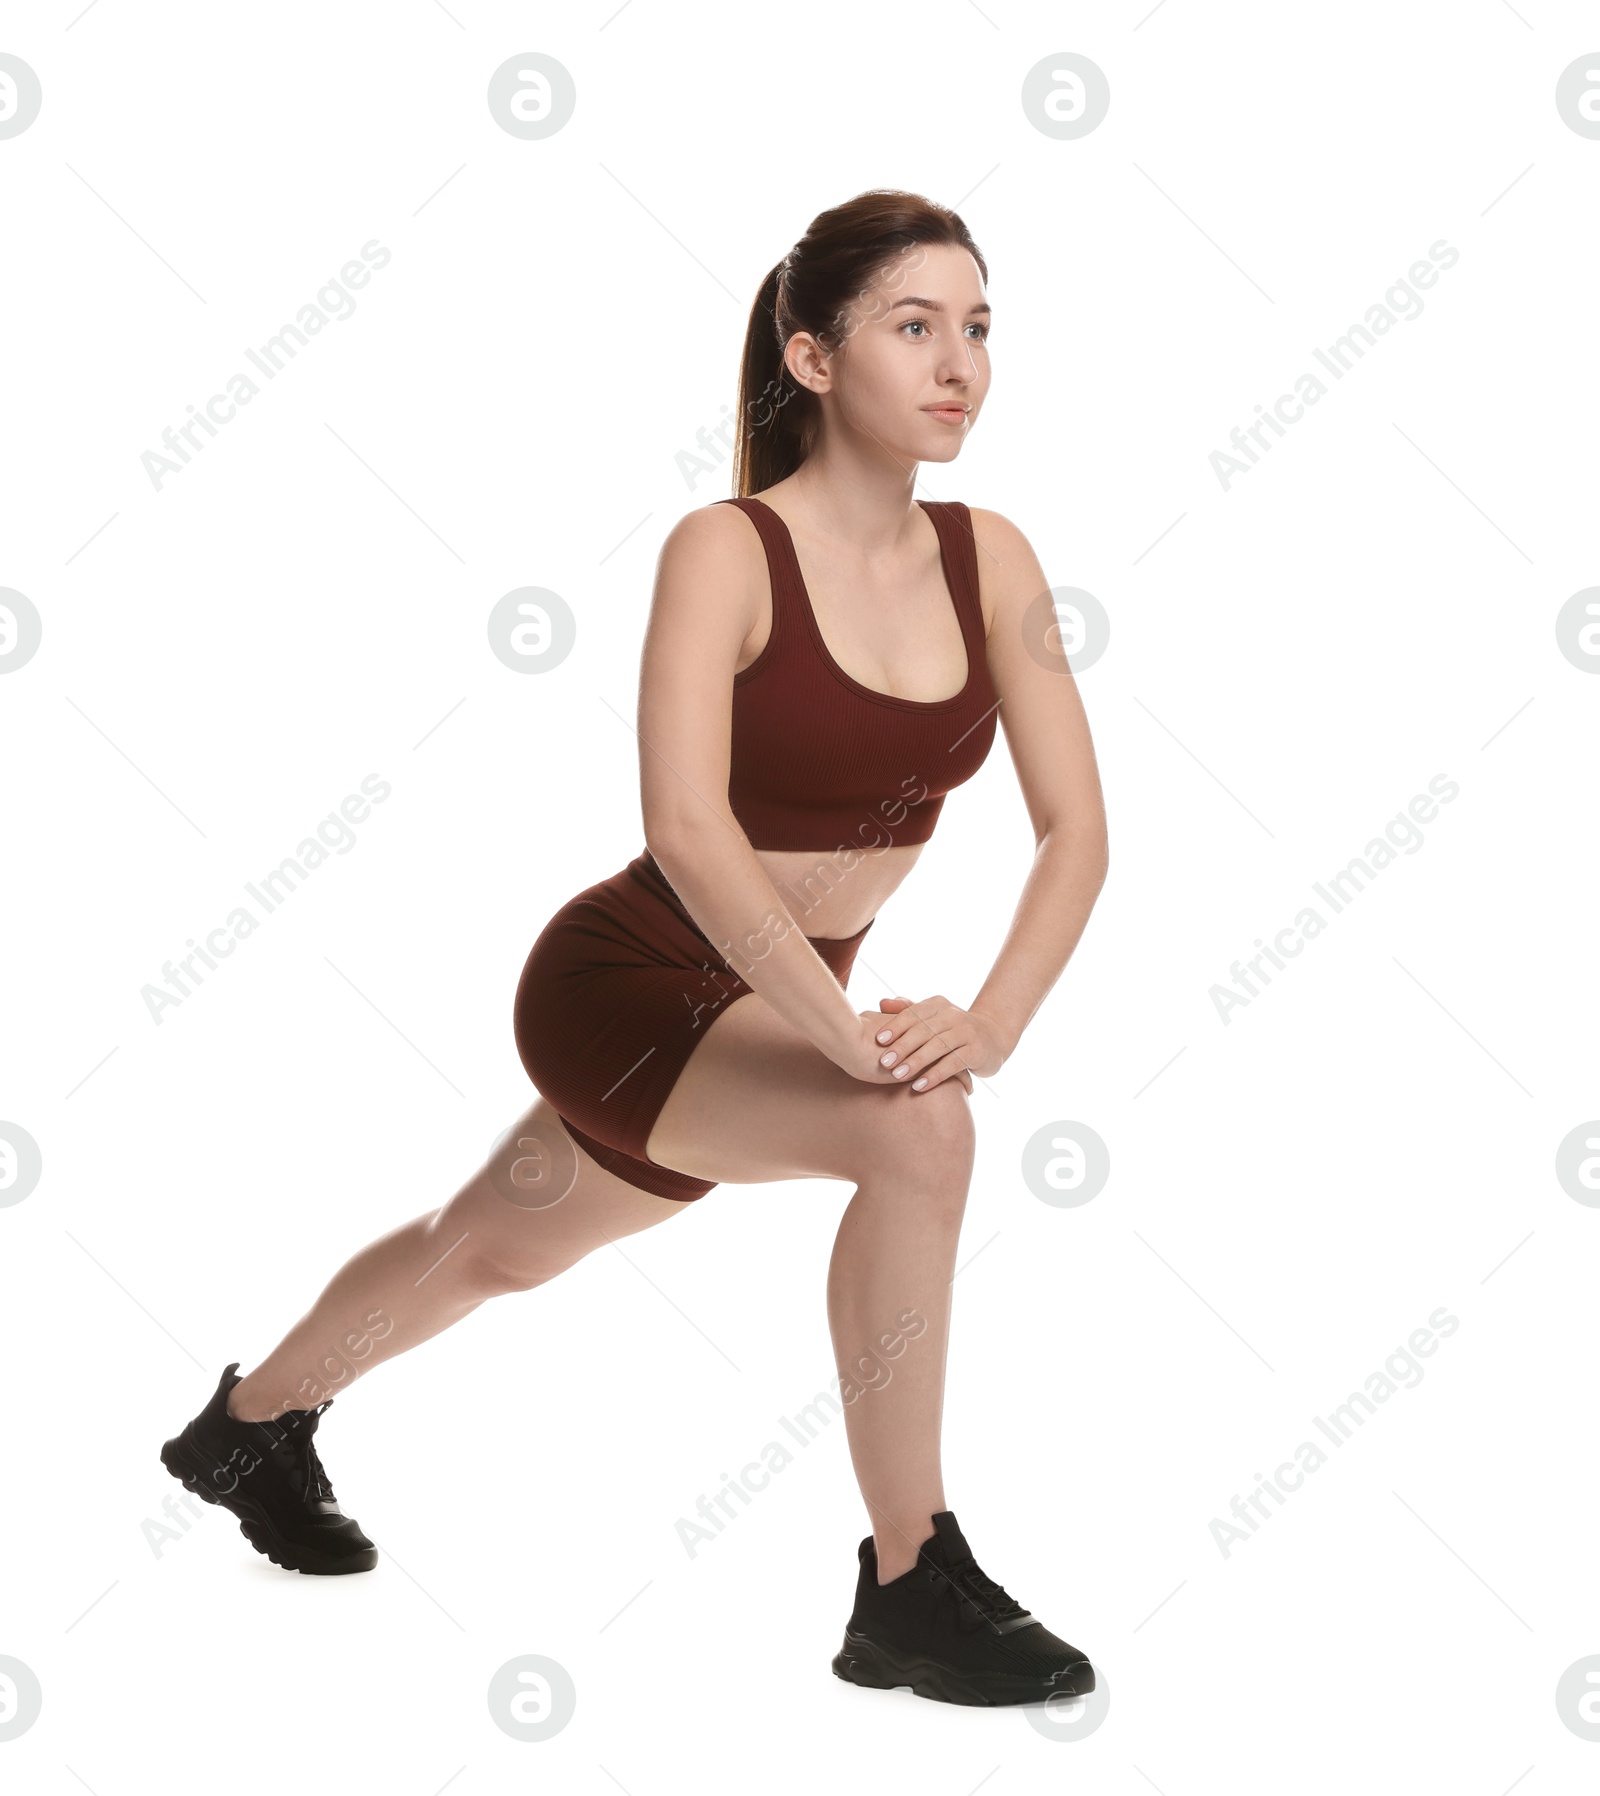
(917, 1084)
(901, 1071)
(886, 1059)
(883, 1035)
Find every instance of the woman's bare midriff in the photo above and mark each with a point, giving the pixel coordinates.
(838, 891)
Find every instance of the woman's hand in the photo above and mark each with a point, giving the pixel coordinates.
(933, 1040)
(860, 1055)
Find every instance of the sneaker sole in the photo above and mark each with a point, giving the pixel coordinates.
(876, 1667)
(189, 1470)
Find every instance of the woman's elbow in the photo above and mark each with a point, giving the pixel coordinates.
(1086, 847)
(675, 832)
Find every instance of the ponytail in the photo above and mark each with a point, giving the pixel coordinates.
(772, 439)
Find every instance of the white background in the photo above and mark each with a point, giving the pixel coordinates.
(1291, 1193)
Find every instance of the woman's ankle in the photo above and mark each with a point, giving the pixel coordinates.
(897, 1549)
(246, 1404)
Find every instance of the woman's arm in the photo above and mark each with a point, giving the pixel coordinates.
(706, 603)
(1048, 736)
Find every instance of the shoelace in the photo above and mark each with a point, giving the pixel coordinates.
(299, 1452)
(974, 1586)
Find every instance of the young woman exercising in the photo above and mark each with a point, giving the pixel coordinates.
(826, 659)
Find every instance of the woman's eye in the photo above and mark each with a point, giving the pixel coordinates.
(921, 324)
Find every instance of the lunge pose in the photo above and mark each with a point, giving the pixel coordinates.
(828, 656)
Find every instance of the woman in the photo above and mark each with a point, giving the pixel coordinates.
(825, 660)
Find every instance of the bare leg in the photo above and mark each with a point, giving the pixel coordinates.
(889, 1310)
(410, 1284)
(758, 1101)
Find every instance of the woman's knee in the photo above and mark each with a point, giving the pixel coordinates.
(931, 1130)
(487, 1247)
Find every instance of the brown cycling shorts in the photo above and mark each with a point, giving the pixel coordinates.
(616, 994)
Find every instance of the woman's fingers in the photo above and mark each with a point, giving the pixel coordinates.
(923, 1046)
(925, 1049)
(947, 1066)
(891, 1007)
(920, 1034)
(898, 1052)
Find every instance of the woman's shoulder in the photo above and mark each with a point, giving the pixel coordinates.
(995, 525)
(1009, 574)
(712, 565)
(718, 531)
(993, 529)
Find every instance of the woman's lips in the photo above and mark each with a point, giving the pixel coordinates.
(949, 414)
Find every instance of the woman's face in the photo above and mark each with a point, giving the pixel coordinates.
(913, 371)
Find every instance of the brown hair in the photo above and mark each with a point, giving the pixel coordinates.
(844, 252)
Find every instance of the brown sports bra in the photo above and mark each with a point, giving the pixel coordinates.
(819, 761)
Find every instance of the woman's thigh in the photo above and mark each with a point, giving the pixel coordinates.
(758, 1100)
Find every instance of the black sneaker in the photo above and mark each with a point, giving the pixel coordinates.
(950, 1632)
(269, 1476)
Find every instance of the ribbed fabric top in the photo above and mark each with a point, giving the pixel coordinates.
(818, 760)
